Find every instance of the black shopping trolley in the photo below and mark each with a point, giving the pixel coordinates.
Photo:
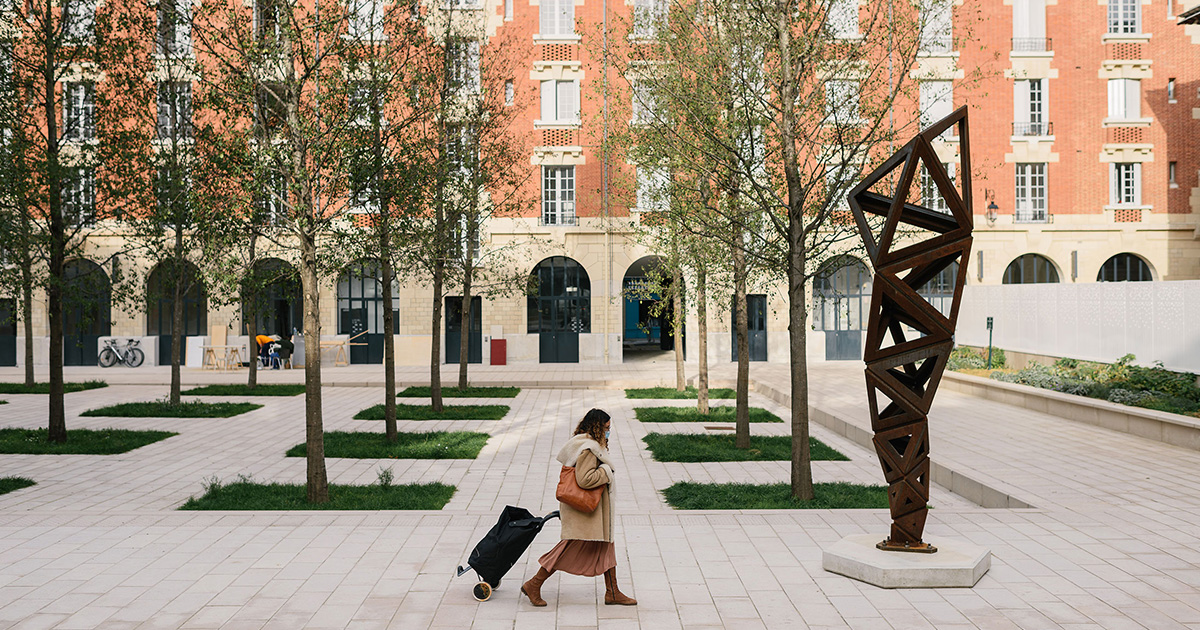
(503, 545)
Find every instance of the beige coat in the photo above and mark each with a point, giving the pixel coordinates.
(593, 468)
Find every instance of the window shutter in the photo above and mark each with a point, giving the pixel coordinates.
(1116, 99)
(566, 16)
(474, 79)
(1137, 183)
(1021, 10)
(548, 104)
(569, 105)
(183, 26)
(1113, 174)
(546, 17)
(1037, 18)
(1021, 101)
(1133, 98)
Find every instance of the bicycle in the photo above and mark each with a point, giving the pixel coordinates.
(129, 354)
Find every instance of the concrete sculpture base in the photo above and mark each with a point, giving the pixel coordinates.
(956, 564)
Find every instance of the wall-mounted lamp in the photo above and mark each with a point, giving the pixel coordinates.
(991, 213)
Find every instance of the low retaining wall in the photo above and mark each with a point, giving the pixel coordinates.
(1164, 427)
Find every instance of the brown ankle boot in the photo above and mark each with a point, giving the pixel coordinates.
(612, 594)
(533, 588)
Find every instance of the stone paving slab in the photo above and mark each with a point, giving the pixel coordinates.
(1111, 544)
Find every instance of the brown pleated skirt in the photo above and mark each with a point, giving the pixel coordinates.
(588, 558)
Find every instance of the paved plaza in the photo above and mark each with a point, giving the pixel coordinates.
(1112, 539)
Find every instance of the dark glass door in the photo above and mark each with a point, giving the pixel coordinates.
(454, 330)
(8, 333)
(756, 327)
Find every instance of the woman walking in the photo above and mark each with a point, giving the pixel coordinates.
(587, 545)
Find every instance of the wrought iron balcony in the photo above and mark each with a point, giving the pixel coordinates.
(1030, 215)
(1033, 129)
(1031, 44)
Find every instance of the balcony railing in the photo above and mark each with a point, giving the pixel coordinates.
(1030, 215)
(1031, 44)
(552, 220)
(1033, 129)
(933, 44)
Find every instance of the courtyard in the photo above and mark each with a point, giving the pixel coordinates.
(1110, 539)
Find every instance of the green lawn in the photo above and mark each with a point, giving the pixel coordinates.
(79, 441)
(163, 409)
(242, 390)
(670, 393)
(690, 414)
(44, 388)
(470, 392)
(250, 495)
(425, 412)
(687, 495)
(434, 445)
(8, 484)
(690, 447)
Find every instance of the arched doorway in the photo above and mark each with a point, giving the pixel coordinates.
(8, 332)
(1031, 269)
(841, 297)
(278, 300)
(160, 301)
(1125, 268)
(87, 311)
(647, 313)
(360, 310)
(560, 308)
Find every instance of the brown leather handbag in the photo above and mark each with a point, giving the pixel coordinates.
(570, 493)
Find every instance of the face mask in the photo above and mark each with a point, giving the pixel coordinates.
(606, 434)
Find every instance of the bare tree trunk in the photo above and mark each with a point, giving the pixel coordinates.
(318, 481)
(177, 317)
(250, 312)
(743, 346)
(464, 345)
(435, 355)
(677, 319)
(57, 431)
(702, 333)
(27, 310)
(389, 327)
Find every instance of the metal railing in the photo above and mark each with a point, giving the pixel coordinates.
(933, 44)
(1031, 44)
(1030, 215)
(549, 220)
(1033, 129)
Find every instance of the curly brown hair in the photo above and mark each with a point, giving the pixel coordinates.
(593, 425)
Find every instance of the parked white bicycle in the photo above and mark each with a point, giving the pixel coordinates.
(129, 354)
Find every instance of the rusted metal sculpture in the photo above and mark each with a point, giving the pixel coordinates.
(906, 372)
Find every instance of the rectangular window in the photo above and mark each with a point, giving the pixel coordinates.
(79, 119)
(175, 28)
(170, 189)
(648, 15)
(556, 17)
(931, 195)
(464, 66)
(174, 110)
(1171, 175)
(1031, 193)
(364, 199)
(270, 108)
(365, 106)
(937, 34)
(937, 102)
(79, 195)
(1029, 25)
(366, 20)
(653, 188)
(508, 9)
(1171, 90)
(1126, 184)
(1124, 16)
(1029, 108)
(842, 18)
(462, 150)
(560, 102)
(841, 101)
(558, 195)
(273, 199)
(510, 93)
(642, 105)
(266, 20)
(79, 19)
(1124, 99)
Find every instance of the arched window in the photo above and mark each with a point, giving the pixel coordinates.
(360, 300)
(1030, 269)
(1125, 268)
(160, 296)
(87, 299)
(841, 295)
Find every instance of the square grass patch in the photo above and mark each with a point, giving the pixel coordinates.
(670, 393)
(79, 441)
(691, 414)
(10, 484)
(454, 392)
(164, 409)
(242, 390)
(246, 494)
(667, 447)
(44, 388)
(432, 445)
(687, 495)
(426, 412)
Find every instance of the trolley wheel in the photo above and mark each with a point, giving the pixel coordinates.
(482, 591)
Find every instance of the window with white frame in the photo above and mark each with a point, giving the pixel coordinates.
(266, 19)
(1125, 184)
(174, 110)
(937, 102)
(366, 19)
(841, 101)
(273, 199)
(560, 102)
(171, 187)
(1124, 16)
(1029, 26)
(464, 66)
(364, 198)
(642, 103)
(510, 93)
(937, 34)
(752, 152)
(175, 28)
(842, 18)
(653, 188)
(1124, 99)
(1031, 193)
(931, 195)
(839, 179)
(462, 150)
(508, 9)
(79, 19)
(558, 195)
(365, 104)
(648, 15)
(79, 195)
(556, 18)
(79, 115)
(1029, 108)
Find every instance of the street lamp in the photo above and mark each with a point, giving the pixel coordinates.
(991, 213)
